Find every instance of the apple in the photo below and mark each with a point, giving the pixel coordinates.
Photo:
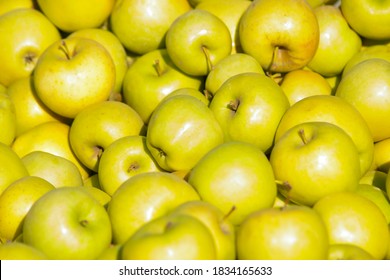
(111, 253)
(388, 186)
(388, 249)
(198, 40)
(101, 196)
(282, 35)
(334, 31)
(177, 237)
(381, 160)
(181, 131)
(73, 15)
(377, 196)
(68, 223)
(301, 83)
(151, 78)
(25, 33)
(98, 125)
(8, 122)
(317, 3)
(92, 181)
(350, 218)
(235, 174)
(141, 26)
(249, 107)
(15, 202)
(144, 197)
(375, 178)
(315, 159)
(20, 251)
(192, 92)
(57, 170)
(291, 233)
(7, 6)
(123, 159)
(369, 18)
(347, 252)
(335, 110)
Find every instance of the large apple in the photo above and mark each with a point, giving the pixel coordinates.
(73, 73)
(8, 122)
(68, 223)
(249, 107)
(282, 35)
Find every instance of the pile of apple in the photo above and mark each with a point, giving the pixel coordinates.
(195, 129)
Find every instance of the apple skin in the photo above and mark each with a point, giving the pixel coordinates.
(249, 107)
(347, 252)
(7, 6)
(72, 74)
(192, 92)
(235, 174)
(8, 122)
(281, 35)
(353, 219)
(315, 159)
(388, 186)
(20, 251)
(68, 223)
(381, 160)
(377, 196)
(291, 233)
(144, 197)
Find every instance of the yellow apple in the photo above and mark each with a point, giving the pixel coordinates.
(192, 92)
(377, 196)
(8, 122)
(347, 252)
(381, 160)
(102, 197)
(316, 3)
(375, 178)
(20, 251)
(111, 253)
(7, 5)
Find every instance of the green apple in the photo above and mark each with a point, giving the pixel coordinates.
(315, 159)
(350, 218)
(177, 237)
(68, 223)
(228, 67)
(375, 178)
(98, 125)
(87, 68)
(7, 6)
(334, 31)
(377, 196)
(282, 35)
(347, 252)
(123, 159)
(25, 34)
(222, 230)
(235, 174)
(192, 92)
(249, 107)
(141, 26)
(72, 15)
(369, 18)
(301, 83)
(144, 197)
(152, 77)
(57, 170)
(291, 233)
(366, 86)
(20, 251)
(15, 202)
(381, 160)
(181, 130)
(8, 122)
(198, 40)
(335, 110)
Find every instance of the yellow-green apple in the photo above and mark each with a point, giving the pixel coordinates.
(152, 77)
(29, 109)
(230, 12)
(192, 92)
(101, 196)
(314, 159)
(57, 170)
(144, 197)
(375, 178)
(366, 87)
(335, 110)
(182, 130)
(377, 196)
(51, 137)
(20, 251)
(388, 185)
(282, 35)
(25, 34)
(235, 174)
(141, 26)
(8, 122)
(347, 252)
(198, 40)
(248, 107)
(11, 167)
(316, 3)
(98, 125)
(333, 82)
(291, 233)
(15, 202)
(122, 159)
(228, 67)
(334, 31)
(7, 6)
(350, 218)
(369, 18)
(111, 253)
(92, 181)
(68, 223)
(112, 44)
(73, 73)
(194, 3)
(301, 83)
(72, 15)
(222, 230)
(381, 160)
(176, 237)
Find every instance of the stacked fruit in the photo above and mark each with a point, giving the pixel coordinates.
(184, 129)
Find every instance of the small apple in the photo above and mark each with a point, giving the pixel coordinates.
(20, 251)
(377, 196)
(381, 160)
(8, 122)
(347, 252)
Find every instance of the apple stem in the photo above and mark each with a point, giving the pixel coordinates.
(157, 66)
(63, 47)
(285, 186)
(233, 105)
(269, 69)
(229, 213)
(208, 59)
(83, 223)
(301, 134)
(208, 95)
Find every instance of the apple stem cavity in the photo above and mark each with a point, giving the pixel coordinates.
(208, 59)
(83, 223)
(302, 135)
(30, 60)
(133, 167)
(63, 47)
